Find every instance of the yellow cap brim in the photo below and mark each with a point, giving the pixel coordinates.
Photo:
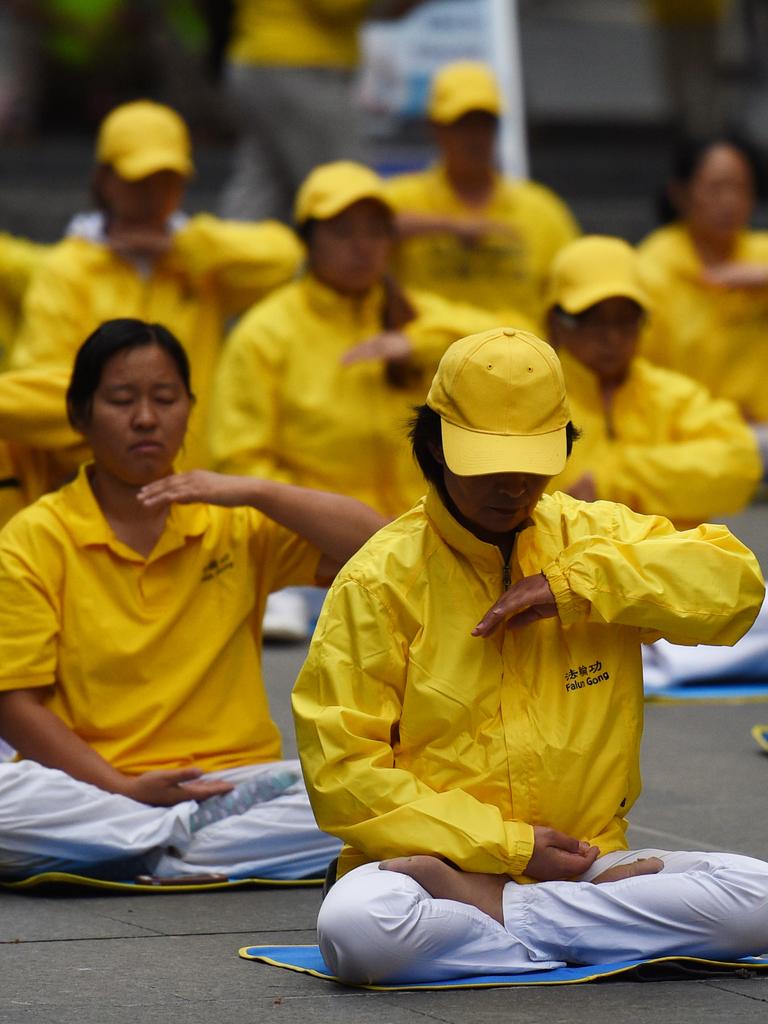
(333, 204)
(143, 163)
(576, 300)
(475, 453)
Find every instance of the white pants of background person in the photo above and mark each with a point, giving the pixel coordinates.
(666, 664)
(52, 822)
(382, 926)
(290, 119)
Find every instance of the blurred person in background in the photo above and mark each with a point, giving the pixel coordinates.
(464, 230)
(651, 438)
(707, 271)
(289, 74)
(19, 258)
(139, 255)
(316, 382)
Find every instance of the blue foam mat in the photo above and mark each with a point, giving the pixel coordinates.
(710, 693)
(760, 736)
(309, 960)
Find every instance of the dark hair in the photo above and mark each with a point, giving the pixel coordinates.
(424, 430)
(689, 156)
(111, 337)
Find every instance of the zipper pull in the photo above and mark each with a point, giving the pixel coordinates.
(506, 576)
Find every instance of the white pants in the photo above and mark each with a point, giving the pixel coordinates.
(52, 822)
(382, 926)
(666, 664)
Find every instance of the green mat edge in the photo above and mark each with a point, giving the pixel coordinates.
(66, 878)
(443, 986)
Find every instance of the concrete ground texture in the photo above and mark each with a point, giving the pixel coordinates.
(94, 958)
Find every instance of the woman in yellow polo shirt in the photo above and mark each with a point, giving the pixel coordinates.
(130, 610)
(706, 273)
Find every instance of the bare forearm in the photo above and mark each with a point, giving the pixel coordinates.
(334, 523)
(41, 736)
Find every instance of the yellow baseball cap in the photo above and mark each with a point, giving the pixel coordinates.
(460, 87)
(501, 398)
(592, 269)
(331, 188)
(140, 138)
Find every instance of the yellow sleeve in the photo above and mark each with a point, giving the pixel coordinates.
(244, 260)
(709, 468)
(347, 704)
(700, 586)
(33, 408)
(19, 258)
(555, 221)
(439, 323)
(56, 305)
(244, 412)
(29, 615)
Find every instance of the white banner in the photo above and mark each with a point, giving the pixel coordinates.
(400, 58)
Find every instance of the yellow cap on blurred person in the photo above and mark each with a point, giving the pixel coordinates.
(461, 87)
(501, 398)
(140, 138)
(594, 268)
(331, 188)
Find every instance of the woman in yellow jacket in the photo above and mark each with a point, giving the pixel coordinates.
(19, 259)
(472, 705)
(707, 274)
(316, 383)
(465, 231)
(650, 438)
(139, 256)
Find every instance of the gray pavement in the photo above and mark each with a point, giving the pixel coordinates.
(113, 959)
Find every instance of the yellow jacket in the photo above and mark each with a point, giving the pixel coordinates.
(416, 737)
(38, 448)
(214, 270)
(665, 448)
(502, 272)
(303, 33)
(285, 408)
(718, 336)
(18, 260)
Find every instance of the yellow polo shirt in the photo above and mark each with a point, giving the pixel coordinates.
(154, 662)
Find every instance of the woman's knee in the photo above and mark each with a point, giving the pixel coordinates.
(361, 924)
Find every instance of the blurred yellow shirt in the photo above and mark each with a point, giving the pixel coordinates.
(666, 448)
(153, 662)
(503, 272)
(718, 336)
(304, 33)
(214, 270)
(19, 259)
(286, 408)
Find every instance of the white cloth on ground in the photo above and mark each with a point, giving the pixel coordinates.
(382, 926)
(52, 822)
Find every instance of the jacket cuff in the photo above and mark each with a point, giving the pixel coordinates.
(520, 845)
(570, 607)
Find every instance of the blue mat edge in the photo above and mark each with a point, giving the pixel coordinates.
(578, 975)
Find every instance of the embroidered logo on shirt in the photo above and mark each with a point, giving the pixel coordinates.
(216, 567)
(585, 675)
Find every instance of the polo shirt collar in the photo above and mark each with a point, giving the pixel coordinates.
(89, 527)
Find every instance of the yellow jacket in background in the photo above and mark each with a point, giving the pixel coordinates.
(19, 259)
(303, 33)
(666, 447)
(214, 270)
(38, 448)
(718, 336)
(417, 738)
(287, 409)
(503, 272)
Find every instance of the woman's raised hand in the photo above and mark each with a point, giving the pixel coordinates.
(196, 485)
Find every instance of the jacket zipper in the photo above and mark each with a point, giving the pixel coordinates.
(506, 576)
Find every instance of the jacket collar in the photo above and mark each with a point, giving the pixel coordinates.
(479, 552)
(88, 526)
(327, 302)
